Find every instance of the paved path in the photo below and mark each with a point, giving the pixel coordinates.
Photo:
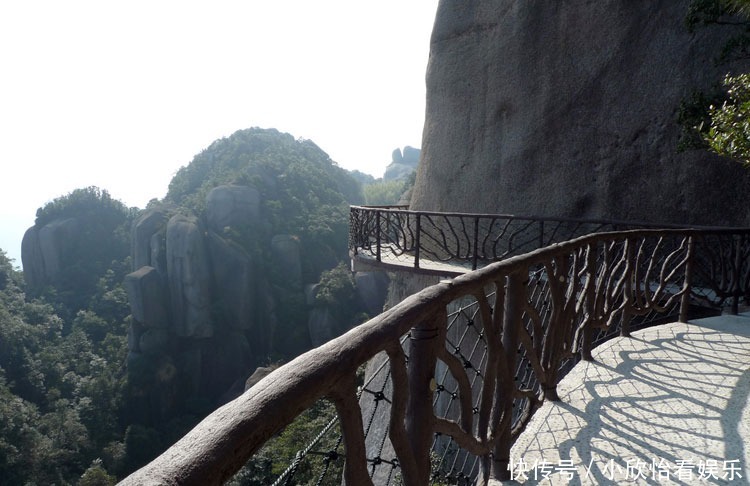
(671, 405)
(451, 268)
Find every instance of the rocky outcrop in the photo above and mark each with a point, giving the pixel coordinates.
(322, 325)
(569, 109)
(402, 164)
(234, 281)
(208, 290)
(372, 289)
(31, 258)
(44, 250)
(285, 250)
(189, 276)
(146, 294)
(146, 236)
(232, 206)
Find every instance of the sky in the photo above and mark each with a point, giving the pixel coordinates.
(120, 95)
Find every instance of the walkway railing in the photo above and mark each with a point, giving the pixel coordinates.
(464, 364)
(396, 236)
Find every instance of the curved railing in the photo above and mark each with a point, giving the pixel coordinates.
(394, 236)
(468, 361)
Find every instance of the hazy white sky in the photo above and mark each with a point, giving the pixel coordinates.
(120, 95)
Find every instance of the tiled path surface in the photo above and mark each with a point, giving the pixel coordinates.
(671, 405)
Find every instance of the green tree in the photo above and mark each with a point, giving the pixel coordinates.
(695, 113)
(724, 126)
(60, 394)
(384, 193)
(729, 131)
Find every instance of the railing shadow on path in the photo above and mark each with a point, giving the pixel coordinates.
(670, 405)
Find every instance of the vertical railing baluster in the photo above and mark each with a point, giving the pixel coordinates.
(419, 414)
(736, 274)
(350, 418)
(590, 318)
(388, 231)
(418, 242)
(476, 243)
(515, 294)
(627, 294)
(377, 235)
(687, 285)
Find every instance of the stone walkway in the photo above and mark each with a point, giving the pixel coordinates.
(363, 261)
(670, 405)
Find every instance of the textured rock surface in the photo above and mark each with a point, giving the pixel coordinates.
(285, 250)
(322, 325)
(234, 206)
(31, 258)
(234, 281)
(43, 250)
(145, 288)
(149, 224)
(55, 239)
(569, 109)
(189, 277)
(372, 289)
(402, 164)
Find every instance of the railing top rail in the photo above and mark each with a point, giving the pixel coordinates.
(615, 222)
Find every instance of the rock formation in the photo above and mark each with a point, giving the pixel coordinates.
(194, 289)
(569, 109)
(402, 164)
(43, 250)
(201, 294)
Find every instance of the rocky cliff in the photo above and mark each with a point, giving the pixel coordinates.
(225, 270)
(570, 109)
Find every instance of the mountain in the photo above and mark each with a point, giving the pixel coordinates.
(131, 324)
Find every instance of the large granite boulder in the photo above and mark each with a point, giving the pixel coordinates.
(372, 289)
(569, 109)
(322, 325)
(287, 260)
(402, 164)
(234, 281)
(145, 288)
(189, 276)
(46, 250)
(31, 258)
(146, 236)
(232, 206)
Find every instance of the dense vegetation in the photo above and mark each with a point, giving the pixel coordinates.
(61, 392)
(304, 193)
(725, 128)
(72, 403)
(714, 118)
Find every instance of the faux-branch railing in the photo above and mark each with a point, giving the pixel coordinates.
(533, 315)
(396, 236)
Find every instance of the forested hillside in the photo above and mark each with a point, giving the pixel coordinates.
(127, 326)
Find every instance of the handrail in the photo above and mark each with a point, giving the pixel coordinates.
(532, 315)
(395, 236)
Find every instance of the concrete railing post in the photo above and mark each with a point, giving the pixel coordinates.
(423, 345)
(515, 290)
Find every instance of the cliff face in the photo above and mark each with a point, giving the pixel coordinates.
(570, 109)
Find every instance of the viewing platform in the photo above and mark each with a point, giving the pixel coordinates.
(452, 244)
